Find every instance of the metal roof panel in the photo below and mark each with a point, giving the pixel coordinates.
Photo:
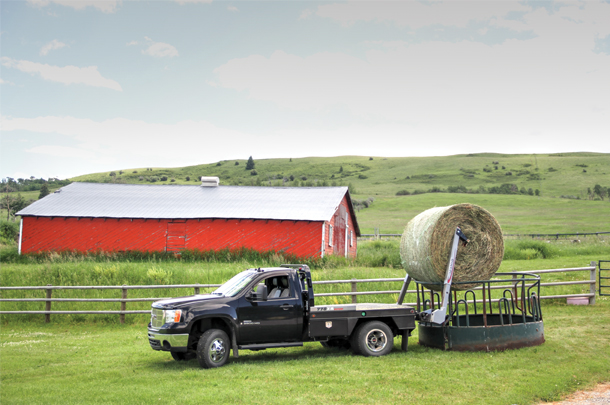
(184, 202)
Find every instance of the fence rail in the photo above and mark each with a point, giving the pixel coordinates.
(354, 293)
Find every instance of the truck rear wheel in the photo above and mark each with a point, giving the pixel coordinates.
(213, 348)
(373, 339)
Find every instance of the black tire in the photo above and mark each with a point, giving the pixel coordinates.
(337, 344)
(213, 348)
(373, 339)
(179, 356)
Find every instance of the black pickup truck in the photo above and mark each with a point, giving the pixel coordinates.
(270, 308)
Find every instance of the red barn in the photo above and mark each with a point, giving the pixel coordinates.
(305, 221)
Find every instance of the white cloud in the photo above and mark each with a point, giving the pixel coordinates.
(417, 14)
(131, 43)
(232, 8)
(2, 81)
(136, 142)
(105, 6)
(183, 2)
(517, 87)
(53, 45)
(160, 49)
(305, 14)
(67, 74)
(62, 151)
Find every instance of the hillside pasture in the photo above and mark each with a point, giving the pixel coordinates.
(516, 214)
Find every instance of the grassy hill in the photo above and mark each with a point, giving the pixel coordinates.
(567, 175)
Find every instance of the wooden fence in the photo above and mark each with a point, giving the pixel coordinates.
(353, 293)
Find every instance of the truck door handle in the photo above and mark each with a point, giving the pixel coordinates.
(286, 306)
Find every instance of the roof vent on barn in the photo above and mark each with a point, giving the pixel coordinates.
(210, 181)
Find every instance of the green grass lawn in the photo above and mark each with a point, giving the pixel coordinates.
(92, 359)
(72, 363)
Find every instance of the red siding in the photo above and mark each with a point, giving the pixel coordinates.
(336, 246)
(301, 238)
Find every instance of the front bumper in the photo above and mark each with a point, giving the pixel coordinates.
(167, 342)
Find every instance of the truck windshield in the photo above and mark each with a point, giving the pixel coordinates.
(235, 285)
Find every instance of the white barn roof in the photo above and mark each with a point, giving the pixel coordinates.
(184, 202)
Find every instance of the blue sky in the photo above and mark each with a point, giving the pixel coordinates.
(90, 86)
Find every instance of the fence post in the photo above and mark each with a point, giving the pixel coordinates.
(196, 290)
(123, 304)
(592, 285)
(47, 306)
(354, 289)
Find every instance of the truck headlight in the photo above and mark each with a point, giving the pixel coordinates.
(173, 315)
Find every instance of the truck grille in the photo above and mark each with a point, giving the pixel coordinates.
(157, 318)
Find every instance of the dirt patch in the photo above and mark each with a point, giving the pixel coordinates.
(598, 395)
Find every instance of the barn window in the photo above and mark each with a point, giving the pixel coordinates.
(351, 238)
(330, 235)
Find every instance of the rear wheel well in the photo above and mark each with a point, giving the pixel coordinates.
(388, 321)
(201, 325)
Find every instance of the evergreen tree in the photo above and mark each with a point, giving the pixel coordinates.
(250, 164)
(44, 191)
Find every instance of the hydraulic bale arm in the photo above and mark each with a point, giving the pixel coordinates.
(439, 316)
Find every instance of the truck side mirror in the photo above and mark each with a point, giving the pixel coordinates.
(260, 294)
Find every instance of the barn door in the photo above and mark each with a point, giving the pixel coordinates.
(339, 231)
(176, 236)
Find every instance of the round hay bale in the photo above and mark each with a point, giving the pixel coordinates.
(425, 245)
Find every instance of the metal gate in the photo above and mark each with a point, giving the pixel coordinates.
(604, 276)
(176, 236)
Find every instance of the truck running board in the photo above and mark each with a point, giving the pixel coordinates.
(269, 345)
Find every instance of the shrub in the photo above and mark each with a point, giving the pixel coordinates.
(9, 230)
(403, 192)
(218, 164)
(236, 163)
(362, 177)
(188, 178)
(253, 172)
(163, 178)
(304, 178)
(457, 189)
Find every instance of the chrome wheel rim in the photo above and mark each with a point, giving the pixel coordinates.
(376, 340)
(217, 350)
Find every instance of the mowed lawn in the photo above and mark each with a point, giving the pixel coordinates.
(67, 362)
(89, 363)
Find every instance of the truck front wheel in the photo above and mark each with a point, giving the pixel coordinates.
(373, 339)
(213, 348)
